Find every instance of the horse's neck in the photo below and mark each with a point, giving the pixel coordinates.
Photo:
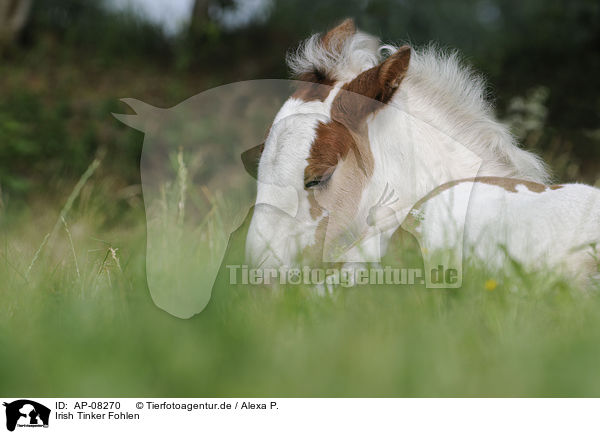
(472, 125)
(414, 157)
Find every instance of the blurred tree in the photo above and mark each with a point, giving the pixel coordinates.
(13, 17)
(200, 14)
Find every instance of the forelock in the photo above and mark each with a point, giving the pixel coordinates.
(335, 62)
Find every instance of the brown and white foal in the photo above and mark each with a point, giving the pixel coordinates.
(363, 139)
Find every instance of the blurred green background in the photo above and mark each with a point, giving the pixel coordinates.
(75, 314)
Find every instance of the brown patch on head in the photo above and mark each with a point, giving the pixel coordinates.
(332, 143)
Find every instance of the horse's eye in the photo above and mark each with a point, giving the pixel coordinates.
(319, 181)
(312, 183)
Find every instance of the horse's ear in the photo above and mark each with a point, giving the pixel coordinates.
(334, 39)
(371, 89)
(250, 159)
(391, 72)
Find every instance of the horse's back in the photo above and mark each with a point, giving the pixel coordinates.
(494, 219)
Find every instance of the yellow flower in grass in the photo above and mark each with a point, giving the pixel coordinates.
(490, 285)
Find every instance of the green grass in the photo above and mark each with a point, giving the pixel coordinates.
(79, 321)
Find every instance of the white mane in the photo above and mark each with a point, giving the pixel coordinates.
(437, 89)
